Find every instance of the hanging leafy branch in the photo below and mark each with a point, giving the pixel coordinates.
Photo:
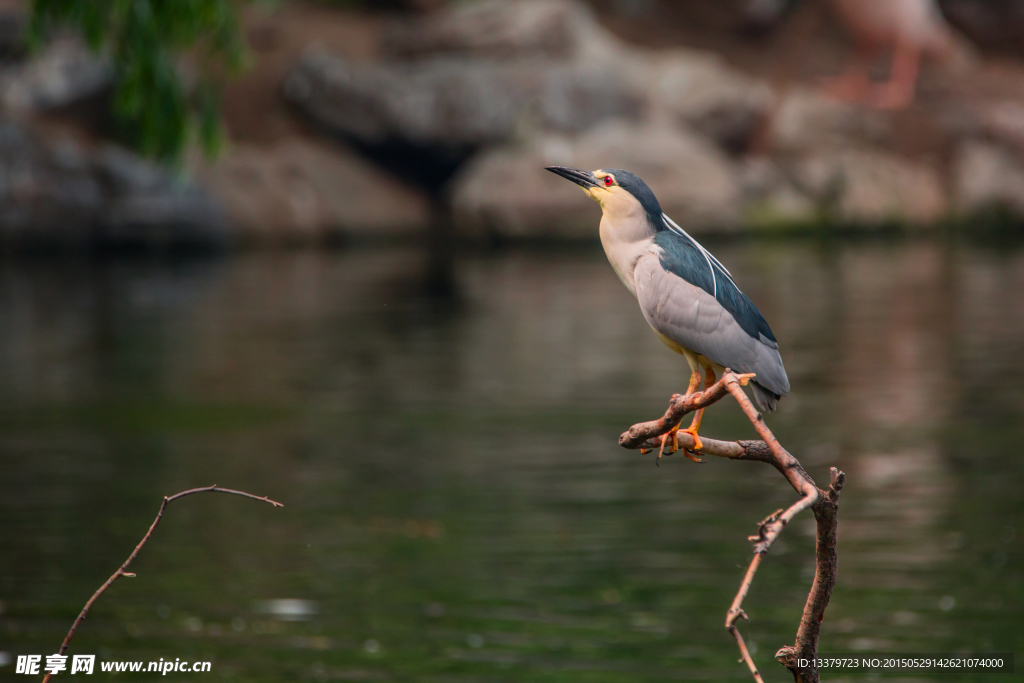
(148, 43)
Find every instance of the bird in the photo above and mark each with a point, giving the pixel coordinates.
(687, 296)
(907, 28)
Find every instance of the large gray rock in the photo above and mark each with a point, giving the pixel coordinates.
(299, 192)
(440, 102)
(65, 194)
(46, 194)
(454, 103)
(699, 90)
(64, 72)
(1003, 122)
(869, 187)
(491, 68)
(693, 180)
(808, 121)
(771, 199)
(987, 176)
(145, 205)
(474, 74)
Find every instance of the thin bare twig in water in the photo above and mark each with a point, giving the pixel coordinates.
(800, 657)
(121, 570)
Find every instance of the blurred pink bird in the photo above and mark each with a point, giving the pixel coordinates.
(909, 29)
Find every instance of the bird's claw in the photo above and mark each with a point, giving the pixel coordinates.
(698, 445)
(693, 456)
(671, 439)
(665, 438)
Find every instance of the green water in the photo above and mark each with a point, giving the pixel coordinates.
(456, 506)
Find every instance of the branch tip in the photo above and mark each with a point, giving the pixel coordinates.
(121, 570)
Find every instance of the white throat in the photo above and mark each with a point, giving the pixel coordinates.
(626, 235)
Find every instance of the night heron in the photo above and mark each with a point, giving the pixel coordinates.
(685, 293)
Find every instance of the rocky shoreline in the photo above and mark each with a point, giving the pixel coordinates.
(456, 113)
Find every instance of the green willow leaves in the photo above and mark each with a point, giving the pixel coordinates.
(170, 59)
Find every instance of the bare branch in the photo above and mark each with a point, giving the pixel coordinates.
(736, 611)
(745, 653)
(121, 570)
(824, 505)
(825, 570)
(678, 407)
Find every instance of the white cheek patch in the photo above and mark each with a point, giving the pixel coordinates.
(617, 201)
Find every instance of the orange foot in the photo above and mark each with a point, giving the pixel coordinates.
(672, 437)
(697, 444)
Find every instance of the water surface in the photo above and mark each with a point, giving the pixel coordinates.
(457, 507)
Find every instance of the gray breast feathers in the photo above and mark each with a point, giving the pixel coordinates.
(694, 319)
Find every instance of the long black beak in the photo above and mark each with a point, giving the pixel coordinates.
(584, 179)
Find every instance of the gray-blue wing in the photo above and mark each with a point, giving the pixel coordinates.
(694, 319)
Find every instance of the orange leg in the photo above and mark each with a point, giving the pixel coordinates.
(671, 436)
(898, 92)
(709, 379)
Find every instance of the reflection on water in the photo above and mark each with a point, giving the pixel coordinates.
(457, 508)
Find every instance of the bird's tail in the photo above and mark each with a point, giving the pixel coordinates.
(766, 400)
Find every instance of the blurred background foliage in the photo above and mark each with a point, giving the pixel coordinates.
(169, 61)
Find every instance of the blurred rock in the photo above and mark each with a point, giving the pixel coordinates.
(297, 191)
(497, 29)
(506, 76)
(484, 73)
(693, 180)
(1003, 122)
(13, 21)
(64, 194)
(437, 103)
(770, 198)
(147, 206)
(515, 86)
(869, 187)
(577, 97)
(987, 177)
(65, 72)
(862, 188)
(700, 90)
(452, 103)
(45, 196)
(807, 120)
(763, 15)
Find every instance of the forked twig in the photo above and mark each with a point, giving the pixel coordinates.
(121, 570)
(824, 505)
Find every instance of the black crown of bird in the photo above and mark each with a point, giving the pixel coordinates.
(686, 295)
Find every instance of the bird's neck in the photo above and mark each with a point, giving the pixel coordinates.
(625, 238)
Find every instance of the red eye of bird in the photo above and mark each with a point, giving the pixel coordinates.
(608, 181)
